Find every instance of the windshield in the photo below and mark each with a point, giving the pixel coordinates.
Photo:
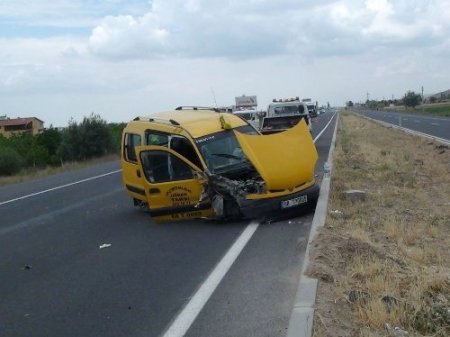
(222, 151)
(246, 115)
(288, 109)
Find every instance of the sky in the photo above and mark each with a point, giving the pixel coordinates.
(63, 60)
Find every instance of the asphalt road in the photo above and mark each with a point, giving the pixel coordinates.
(431, 125)
(77, 259)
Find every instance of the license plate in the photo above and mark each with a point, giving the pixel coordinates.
(303, 199)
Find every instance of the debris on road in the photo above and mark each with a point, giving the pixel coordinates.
(105, 245)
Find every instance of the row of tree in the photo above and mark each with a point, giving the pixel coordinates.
(410, 99)
(91, 138)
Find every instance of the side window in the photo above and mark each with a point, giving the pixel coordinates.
(131, 141)
(162, 166)
(177, 143)
(185, 148)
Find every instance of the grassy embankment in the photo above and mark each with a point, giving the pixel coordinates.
(436, 109)
(30, 173)
(386, 259)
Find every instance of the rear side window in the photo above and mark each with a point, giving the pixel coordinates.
(156, 138)
(131, 140)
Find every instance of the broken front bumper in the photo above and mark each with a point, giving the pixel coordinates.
(280, 206)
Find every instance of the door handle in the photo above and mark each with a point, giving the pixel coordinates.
(154, 190)
(138, 173)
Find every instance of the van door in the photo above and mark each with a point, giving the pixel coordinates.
(173, 185)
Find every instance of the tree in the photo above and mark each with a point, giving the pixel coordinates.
(349, 103)
(96, 137)
(50, 139)
(70, 140)
(116, 131)
(91, 138)
(412, 99)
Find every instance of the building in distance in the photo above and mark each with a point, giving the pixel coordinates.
(28, 125)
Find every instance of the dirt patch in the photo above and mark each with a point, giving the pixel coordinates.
(383, 263)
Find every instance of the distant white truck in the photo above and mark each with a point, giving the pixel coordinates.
(283, 114)
(246, 108)
(312, 107)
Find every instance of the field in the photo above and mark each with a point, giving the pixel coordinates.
(383, 262)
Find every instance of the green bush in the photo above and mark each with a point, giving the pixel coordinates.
(89, 139)
(10, 161)
(37, 156)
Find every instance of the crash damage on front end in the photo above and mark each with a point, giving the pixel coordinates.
(258, 176)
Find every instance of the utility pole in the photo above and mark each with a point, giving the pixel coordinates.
(422, 100)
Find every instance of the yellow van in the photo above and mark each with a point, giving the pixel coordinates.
(202, 163)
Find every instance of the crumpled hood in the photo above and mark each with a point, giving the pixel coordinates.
(284, 160)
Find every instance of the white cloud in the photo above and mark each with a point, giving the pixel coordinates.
(122, 58)
(128, 37)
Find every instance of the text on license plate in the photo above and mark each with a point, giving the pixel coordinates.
(294, 202)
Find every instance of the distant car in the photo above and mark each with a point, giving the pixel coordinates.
(196, 163)
(312, 110)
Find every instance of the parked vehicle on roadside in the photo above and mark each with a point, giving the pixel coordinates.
(199, 162)
(251, 115)
(283, 114)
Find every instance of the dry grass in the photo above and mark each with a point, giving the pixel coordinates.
(30, 174)
(385, 259)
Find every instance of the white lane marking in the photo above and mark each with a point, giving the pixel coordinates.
(58, 187)
(416, 121)
(436, 124)
(326, 126)
(187, 316)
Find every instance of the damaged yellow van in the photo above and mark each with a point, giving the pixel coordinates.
(202, 163)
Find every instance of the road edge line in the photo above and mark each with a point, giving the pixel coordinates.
(302, 316)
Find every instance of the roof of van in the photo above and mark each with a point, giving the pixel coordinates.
(287, 103)
(197, 122)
